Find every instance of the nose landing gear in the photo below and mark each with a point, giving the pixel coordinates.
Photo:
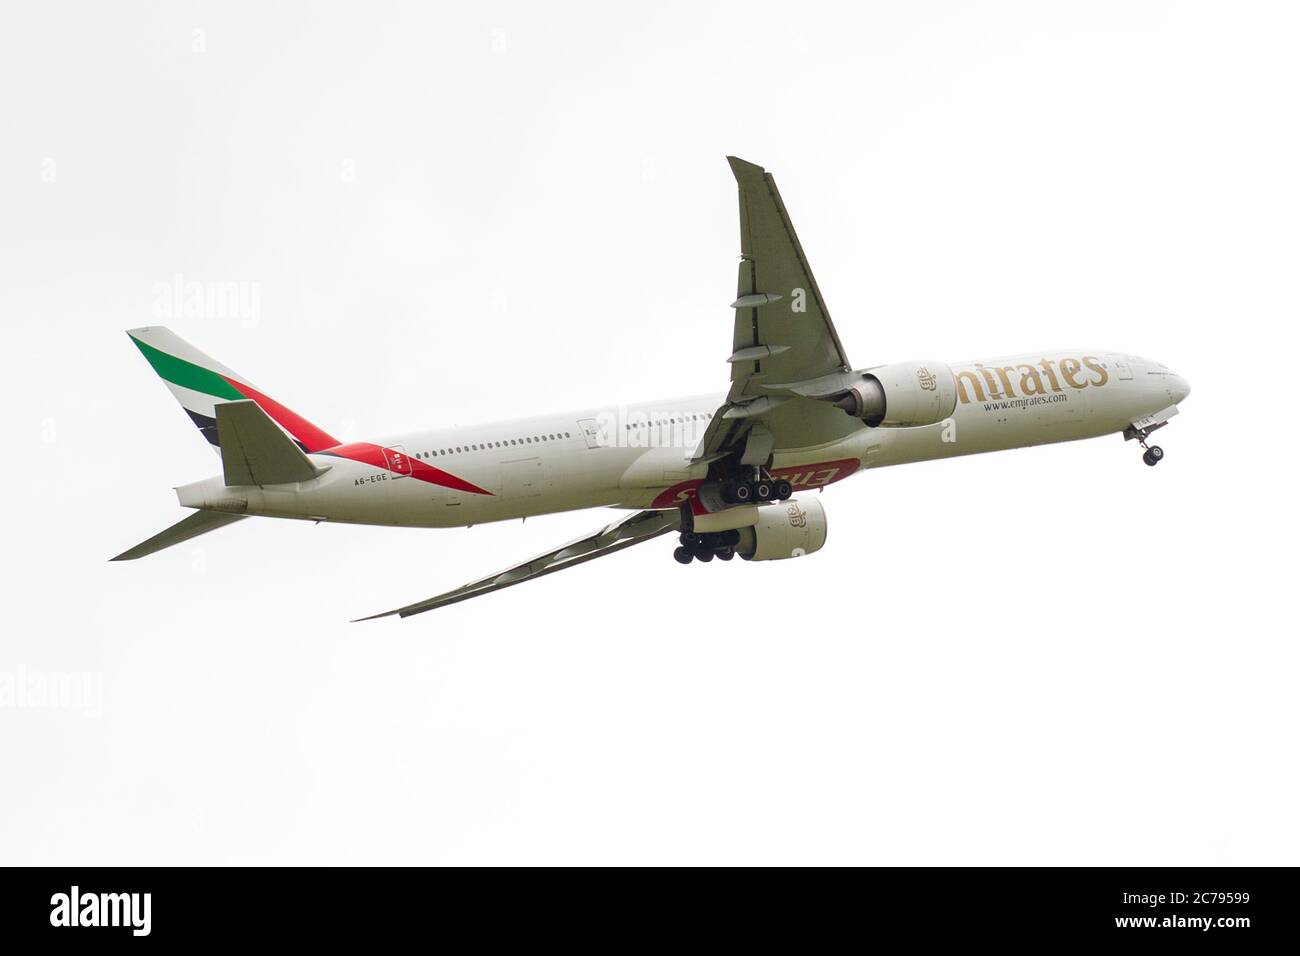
(1151, 454)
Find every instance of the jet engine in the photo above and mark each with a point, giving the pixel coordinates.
(786, 529)
(902, 395)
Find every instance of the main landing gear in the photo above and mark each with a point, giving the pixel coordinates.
(706, 547)
(760, 488)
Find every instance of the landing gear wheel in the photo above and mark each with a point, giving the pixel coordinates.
(704, 554)
(729, 492)
(683, 555)
(743, 493)
(726, 554)
(763, 490)
(783, 490)
(1153, 455)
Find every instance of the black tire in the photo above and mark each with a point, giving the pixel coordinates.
(684, 555)
(725, 554)
(704, 554)
(689, 539)
(729, 492)
(1156, 452)
(784, 490)
(1149, 459)
(763, 490)
(743, 492)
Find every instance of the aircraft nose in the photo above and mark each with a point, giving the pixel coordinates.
(1178, 388)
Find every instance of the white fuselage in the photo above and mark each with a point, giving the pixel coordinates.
(639, 456)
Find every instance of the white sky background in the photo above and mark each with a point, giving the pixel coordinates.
(1055, 655)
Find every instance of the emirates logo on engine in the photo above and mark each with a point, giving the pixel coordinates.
(927, 379)
(798, 517)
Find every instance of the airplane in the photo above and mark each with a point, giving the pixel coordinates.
(728, 473)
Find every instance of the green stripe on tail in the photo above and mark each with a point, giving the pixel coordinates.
(186, 374)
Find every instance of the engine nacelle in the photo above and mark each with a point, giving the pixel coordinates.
(902, 395)
(784, 529)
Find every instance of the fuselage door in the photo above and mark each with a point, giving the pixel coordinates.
(1123, 368)
(590, 432)
(397, 462)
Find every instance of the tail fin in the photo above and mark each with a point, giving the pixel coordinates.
(200, 384)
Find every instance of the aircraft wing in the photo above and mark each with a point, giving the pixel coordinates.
(638, 527)
(784, 345)
(783, 329)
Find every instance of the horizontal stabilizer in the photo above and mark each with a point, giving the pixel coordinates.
(201, 522)
(255, 451)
